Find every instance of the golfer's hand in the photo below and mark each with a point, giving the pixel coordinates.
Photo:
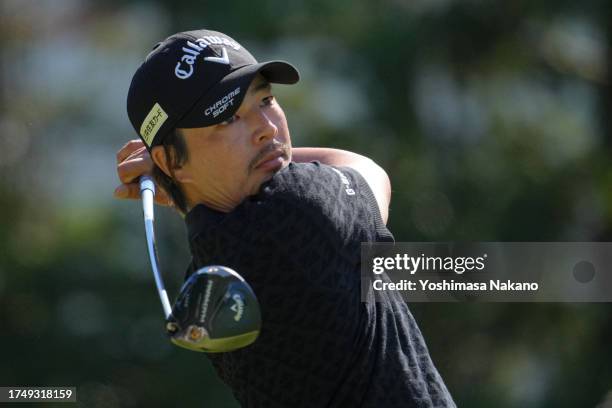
(133, 160)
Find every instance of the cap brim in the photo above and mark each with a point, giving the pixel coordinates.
(279, 72)
(221, 102)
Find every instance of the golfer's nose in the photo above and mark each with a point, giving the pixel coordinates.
(264, 128)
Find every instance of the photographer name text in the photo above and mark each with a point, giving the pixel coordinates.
(451, 285)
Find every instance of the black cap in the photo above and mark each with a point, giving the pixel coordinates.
(195, 79)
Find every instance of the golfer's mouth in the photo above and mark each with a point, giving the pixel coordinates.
(272, 161)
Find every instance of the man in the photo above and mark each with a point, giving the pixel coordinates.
(290, 220)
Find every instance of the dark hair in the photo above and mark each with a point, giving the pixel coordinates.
(176, 155)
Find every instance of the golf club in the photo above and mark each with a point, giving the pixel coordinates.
(216, 309)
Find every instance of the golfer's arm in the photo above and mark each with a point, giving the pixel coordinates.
(377, 178)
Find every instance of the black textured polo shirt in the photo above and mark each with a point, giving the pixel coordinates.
(297, 242)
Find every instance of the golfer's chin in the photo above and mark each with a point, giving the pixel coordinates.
(265, 173)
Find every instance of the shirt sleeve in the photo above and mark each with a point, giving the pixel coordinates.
(338, 200)
(382, 233)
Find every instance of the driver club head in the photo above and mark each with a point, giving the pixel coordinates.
(216, 311)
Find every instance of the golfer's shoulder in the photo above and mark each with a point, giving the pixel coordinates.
(300, 173)
(314, 175)
(316, 181)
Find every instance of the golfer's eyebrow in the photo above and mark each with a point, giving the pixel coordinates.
(260, 86)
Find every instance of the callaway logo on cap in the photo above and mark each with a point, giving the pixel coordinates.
(195, 79)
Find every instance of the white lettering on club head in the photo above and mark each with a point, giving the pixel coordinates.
(204, 305)
(237, 307)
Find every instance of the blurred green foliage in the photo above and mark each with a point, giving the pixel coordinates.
(490, 117)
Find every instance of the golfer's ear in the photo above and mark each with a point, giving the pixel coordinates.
(161, 160)
(166, 163)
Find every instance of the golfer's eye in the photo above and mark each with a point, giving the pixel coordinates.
(268, 100)
(229, 120)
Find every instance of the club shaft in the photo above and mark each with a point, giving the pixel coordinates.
(147, 193)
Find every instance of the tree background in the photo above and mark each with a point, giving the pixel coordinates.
(491, 118)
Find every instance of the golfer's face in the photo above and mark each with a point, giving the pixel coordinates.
(234, 158)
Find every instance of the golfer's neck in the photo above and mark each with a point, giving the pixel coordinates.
(214, 198)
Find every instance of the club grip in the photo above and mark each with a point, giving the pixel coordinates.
(146, 183)
(147, 193)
